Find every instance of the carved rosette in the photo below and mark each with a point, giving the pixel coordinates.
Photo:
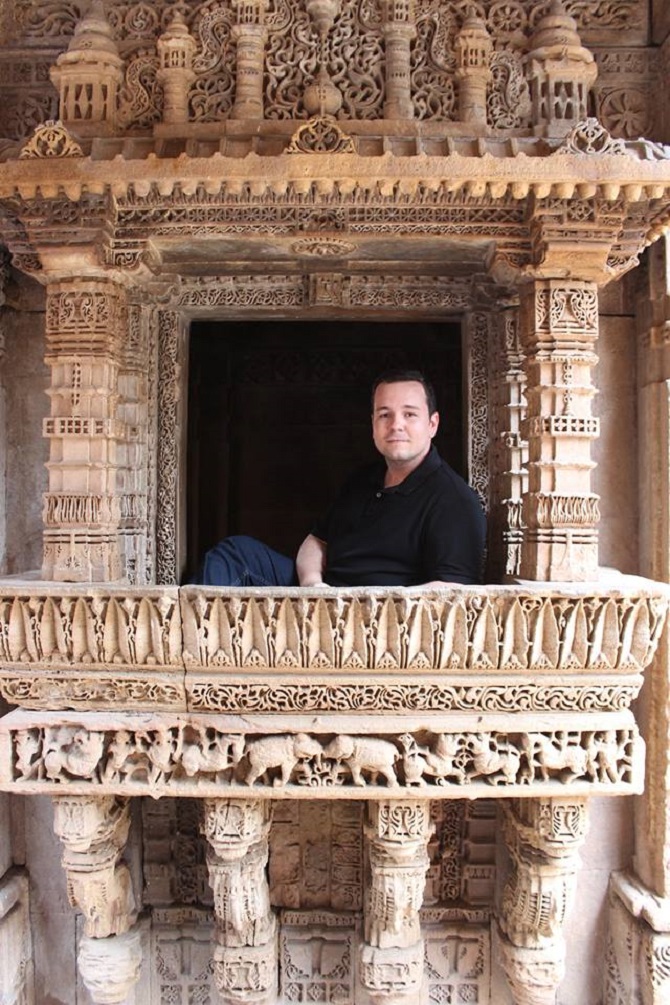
(391, 959)
(543, 837)
(245, 956)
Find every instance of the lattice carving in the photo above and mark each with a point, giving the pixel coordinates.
(198, 759)
(317, 953)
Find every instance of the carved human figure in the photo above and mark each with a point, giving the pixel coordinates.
(75, 751)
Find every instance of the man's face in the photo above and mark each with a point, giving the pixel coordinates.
(402, 427)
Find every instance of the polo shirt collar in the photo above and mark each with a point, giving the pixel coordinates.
(430, 463)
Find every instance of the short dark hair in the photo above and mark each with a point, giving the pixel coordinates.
(396, 376)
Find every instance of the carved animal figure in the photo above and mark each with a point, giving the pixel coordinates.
(78, 756)
(362, 753)
(438, 763)
(493, 758)
(282, 752)
(566, 762)
(212, 756)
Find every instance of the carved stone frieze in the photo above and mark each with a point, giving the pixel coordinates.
(199, 759)
(171, 648)
(503, 631)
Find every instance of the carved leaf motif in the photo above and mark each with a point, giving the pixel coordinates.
(544, 649)
(485, 639)
(321, 647)
(387, 647)
(114, 630)
(254, 641)
(47, 634)
(605, 637)
(420, 650)
(354, 650)
(455, 642)
(575, 643)
(146, 630)
(515, 640)
(17, 632)
(288, 647)
(82, 644)
(635, 636)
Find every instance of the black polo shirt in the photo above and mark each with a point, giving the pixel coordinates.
(431, 526)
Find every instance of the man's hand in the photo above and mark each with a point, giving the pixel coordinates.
(310, 562)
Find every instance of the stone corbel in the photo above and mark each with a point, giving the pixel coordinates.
(93, 831)
(543, 837)
(245, 957)
(398, 832)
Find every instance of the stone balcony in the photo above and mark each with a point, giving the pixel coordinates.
(521, 690)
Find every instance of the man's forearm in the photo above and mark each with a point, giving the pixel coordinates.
(310, 561)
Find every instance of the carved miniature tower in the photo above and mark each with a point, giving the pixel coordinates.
(88, 76)
(176, 48)
(473, 51)
(560, 72)
(399, 30)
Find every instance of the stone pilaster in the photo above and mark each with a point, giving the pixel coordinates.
(543, 837)
(509, 474)
(399, 30)
(639, 916)
(245, 956)
(86, 326)
(133, 459)
(94, 831)
(250, 35)
(391, 962)
(16, 956)
(559, 329)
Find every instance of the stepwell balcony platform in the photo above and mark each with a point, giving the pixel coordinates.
(522, 690)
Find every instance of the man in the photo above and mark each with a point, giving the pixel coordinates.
(408, 520)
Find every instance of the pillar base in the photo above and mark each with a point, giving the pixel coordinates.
(393, 976)
(638, 945)
(110, 967)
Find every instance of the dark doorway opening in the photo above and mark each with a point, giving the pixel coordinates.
(279, 416)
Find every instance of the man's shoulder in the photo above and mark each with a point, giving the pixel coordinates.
(449, 484)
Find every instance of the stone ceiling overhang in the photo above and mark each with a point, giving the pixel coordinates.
(590, 205)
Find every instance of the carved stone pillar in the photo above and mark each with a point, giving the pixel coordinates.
(93, 831)
(250, 35)
(559, 328)
(510, 449)
(245, 957)
(133, 460)
(86, 325)
(398, 832)
(399, 30)
(543, 837)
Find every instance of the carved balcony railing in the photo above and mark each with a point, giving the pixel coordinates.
(494, 691)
